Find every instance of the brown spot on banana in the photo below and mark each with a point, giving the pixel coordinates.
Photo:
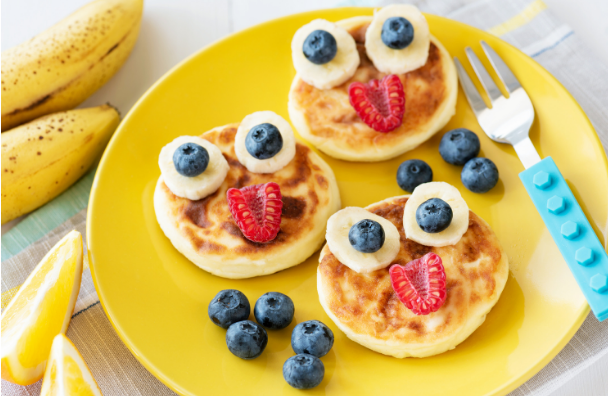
(32, 107)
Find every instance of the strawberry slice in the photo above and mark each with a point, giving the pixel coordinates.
(379, 103)
(420, 284)
(257, 210)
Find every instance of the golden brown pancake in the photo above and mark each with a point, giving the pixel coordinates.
(326, 118)
(205, 232)
(367, 309)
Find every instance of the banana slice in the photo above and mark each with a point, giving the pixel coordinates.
(278, 160)
(338, 227)
(336, 71)
(196, 187)
(460, 219)
(398, 61)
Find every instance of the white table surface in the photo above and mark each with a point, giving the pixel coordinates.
(173, 29)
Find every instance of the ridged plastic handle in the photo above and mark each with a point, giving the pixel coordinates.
(571, 231)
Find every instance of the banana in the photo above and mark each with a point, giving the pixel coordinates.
(269, 165)
(61, 67)
(460, 219)
(342, 67)
(44, 157)
(199, 186)
(338, 227)
(398, 61)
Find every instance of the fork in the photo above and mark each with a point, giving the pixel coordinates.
(509, 121)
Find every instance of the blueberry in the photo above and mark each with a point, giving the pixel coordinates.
(303, 371)
(367, 236)
(312, 337)
(320, 47)
(412, 173)
(264, 141)
(397, 33)
(479, 175)
(434, 215)
(458, 146)
(190, 159)
(274, 310)
(246, 339)
(228, 307)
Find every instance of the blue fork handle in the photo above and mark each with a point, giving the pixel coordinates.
(571, 232)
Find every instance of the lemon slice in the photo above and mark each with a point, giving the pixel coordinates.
(66, 373)
(41, 309)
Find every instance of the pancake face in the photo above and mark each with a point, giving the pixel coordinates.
(327, 119)
(205, 232)
(369, 312)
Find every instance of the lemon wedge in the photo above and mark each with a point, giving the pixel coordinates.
(41, 309)
(66, 373)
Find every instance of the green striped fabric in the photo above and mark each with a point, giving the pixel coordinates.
(46, 218)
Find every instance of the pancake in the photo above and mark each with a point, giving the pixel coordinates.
(327, 120)
(367, 310)
(205, 232)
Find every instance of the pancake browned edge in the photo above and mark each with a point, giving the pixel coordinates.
(367, 310)
(205, 232)
(327, 120)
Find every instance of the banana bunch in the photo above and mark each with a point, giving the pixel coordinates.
(58, 69)
(53, 72)
(44, 157)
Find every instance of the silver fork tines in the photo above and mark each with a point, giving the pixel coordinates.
(509, 120)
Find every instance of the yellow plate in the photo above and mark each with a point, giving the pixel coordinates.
(157, 300)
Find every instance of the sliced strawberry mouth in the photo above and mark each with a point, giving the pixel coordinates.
(379, 103)
(257, 210)
(420, 284)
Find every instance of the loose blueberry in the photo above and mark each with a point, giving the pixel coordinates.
(190, 159)
(458, 146)
(303, 371)
(397, 33)
(320, 47)
(367, 236)
(274, 310)
(246, 339)
(312, 337)
(479, 175)
(228, 307)
(434, 215)
(412, 173)
(264, 141)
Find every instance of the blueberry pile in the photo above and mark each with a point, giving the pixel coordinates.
(461, 147)
(246, 339)
(457, 147)
(310, 340)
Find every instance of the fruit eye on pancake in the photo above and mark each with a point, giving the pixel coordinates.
(435, 215)
(353, 236)
(192, 167)
(264, 142)
(398, 39)
(324, 54)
